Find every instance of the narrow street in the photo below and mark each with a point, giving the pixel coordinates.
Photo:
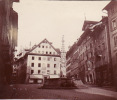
(31, 91)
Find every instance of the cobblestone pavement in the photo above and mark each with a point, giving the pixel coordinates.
(31, 91)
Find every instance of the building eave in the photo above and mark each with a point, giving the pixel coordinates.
(109, 5)
(88, 22)
(44, 55)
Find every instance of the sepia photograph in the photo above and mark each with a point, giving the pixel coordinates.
(58, 49)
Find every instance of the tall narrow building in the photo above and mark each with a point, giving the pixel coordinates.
(8, 38)
(111, 8)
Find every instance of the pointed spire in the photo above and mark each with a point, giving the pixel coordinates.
(63, 47)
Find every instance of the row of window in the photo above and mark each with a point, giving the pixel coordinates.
(39, 65)
(90, 54)
(46, 52)
(44, 58)
(87, 66)
(45, 46)
(89, 46)
(85, 55)
(39, 72)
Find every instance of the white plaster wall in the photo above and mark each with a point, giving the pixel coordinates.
(44, 63)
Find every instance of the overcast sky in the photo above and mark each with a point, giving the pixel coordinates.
(52, 19)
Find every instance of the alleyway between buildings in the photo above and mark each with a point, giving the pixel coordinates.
(32, 91)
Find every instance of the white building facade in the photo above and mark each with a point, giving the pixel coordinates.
(43, 62)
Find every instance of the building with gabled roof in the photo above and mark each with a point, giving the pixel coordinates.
(43, 62)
